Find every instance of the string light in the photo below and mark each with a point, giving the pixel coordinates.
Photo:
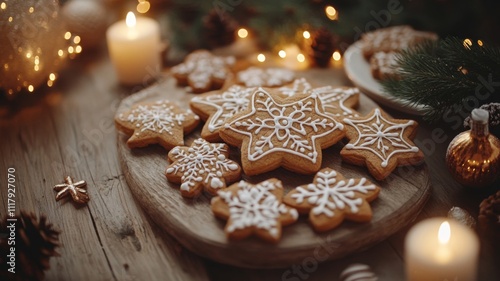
(331, 12)
(76, 39)
(143, 6)
(480, 43)
(336, 56)
(242, 33)
(282, 54)
(67, 35)
(301, 58)
(306, 34)
(3, 6)
(261, 57)
(467, 43)
(31, 88)
(31, 10)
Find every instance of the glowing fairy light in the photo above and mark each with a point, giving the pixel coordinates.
(331, 12)
(261, 57)
(301, 58)
(242, 33)
(336, 56)
(306, 34)
(282, 54)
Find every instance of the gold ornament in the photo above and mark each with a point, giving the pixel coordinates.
(75, 189)
(87, 19)
(473, 157)
(34, 44)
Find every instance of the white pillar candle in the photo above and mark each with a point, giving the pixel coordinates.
(439, 250)
(134, 48)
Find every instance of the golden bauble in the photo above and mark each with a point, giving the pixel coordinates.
(473, 157)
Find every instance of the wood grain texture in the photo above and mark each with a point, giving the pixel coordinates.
(193, 225)
(70, 131)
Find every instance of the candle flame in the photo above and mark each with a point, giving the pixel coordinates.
(444, 233)
(130, 20)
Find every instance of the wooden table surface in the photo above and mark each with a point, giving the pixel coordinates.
(69, 130)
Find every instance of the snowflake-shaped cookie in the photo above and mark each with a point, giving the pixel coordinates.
(337, 102)
(216, 108)
(160, 122)
(254, 209)
(331, 198)
(203, 71)
(202, 165)
(265, 77)
(380, 143)
(276, 132)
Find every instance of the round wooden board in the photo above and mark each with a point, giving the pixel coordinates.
(191, 221)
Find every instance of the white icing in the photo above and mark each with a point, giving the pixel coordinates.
(269, 77)
(201, 67)
(256, 206)
(379, 135)
(294, 126)
(230, 102)
(159, 117)
(328, 194)
(332, 99)
(203, 162)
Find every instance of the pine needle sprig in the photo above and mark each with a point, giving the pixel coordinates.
(446, 75)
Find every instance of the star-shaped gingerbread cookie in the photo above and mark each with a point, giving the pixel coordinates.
(203, 71)
(253, 209)
(219, 106)
(380, 143)
(331, 198)
(274, 132)
(203, 165)
(160, 122)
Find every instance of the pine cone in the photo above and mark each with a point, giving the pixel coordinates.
(218, 30)
(322, 47)
(489, 209)
(35, 243)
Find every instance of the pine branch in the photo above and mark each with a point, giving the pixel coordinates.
(446, 76)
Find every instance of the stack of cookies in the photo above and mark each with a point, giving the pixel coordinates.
(275, 119)
(381, 47)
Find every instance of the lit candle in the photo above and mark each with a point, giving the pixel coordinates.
(134, 47)
(438, 250)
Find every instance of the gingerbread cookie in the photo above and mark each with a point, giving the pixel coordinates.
(253, 209)
(203, 165)
(265, 77)
(160, 122)
(381, 143)
(336, 101)
(274, 132)
(218, 106)
(203, 71)
(331, 198)
(384, 65)
(395, 38)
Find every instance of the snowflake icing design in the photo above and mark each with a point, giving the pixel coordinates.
(283, 127)
(233, 100)
(328, 193)
(256, 206)
(203, 163)
(158, 118)
(380, 136)
(270, 77)
(332, 99)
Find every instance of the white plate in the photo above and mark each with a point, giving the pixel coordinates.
(358, 70)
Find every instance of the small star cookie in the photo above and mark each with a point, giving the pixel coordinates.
(265, 77)
(274, 132)
(380, 143)
(203, 71)
(203, 165)
(218, 106)
(331, 198)
(160, 122)
(253, 209)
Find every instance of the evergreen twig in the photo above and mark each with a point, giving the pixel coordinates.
(446, 75)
